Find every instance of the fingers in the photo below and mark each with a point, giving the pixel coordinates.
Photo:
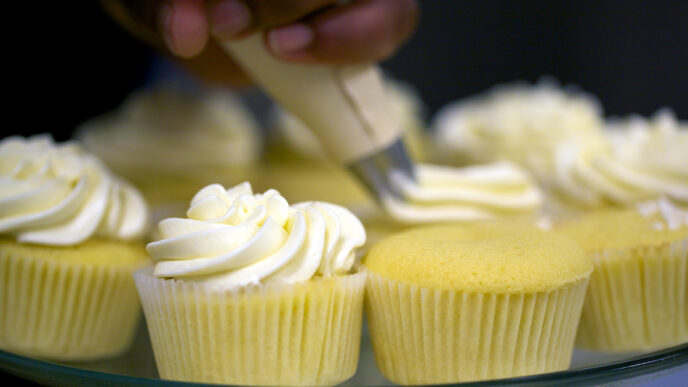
(232, 19)
(229, 18)
(180, 26)
(362, 31)
(311, 31)
(215, 67)
(272, 13)
(184, 27)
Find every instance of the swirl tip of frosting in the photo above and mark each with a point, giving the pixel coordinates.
(478, 192)
(234, 237)
(57, 194)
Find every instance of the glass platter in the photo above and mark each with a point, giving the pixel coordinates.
(136, 367)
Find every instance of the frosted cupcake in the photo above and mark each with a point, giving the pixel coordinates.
(519, 122)
(636, 299)
(479, 192)
(439, 194)
(170, 144)
(250, 290)
(582, 163)
(453, 303)
(67, 252)
(640, 160)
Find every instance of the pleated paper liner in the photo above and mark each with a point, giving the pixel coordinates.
(637, 300)
(301, 334)
(65, 310)
(423, 335)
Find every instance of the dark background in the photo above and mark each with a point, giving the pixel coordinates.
(70, 62)
(66, 61)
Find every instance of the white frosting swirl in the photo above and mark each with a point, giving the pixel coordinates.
(480, 192)
(658, 145)
(671, 217)
(165, 131)
(233, 238)
(561, 138)
(55, 194)
(640, 161)
(405, 105)
(521, 123)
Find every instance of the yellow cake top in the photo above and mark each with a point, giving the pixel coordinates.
(621, 229)
(504, 257)
(95, 251)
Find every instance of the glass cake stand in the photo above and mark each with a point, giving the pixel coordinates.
(137, 368)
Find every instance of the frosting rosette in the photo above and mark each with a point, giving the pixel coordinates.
(657, 146)
(520, 122)
(441, 193)
(640, 160)
(56, 194)
(233, 237)
(149, 131)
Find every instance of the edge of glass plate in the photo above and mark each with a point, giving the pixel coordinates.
(45, 372)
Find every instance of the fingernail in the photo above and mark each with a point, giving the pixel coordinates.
(229, 17)
(165, 26)
(286, 40)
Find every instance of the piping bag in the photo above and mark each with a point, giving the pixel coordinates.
(344, 106)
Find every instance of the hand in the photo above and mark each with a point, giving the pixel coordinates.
(307, 31)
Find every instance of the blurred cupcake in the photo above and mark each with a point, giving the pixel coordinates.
(636, 299)
(639, 160)
(250, 290)
(581, 162)
(170, 144)
(69, 246)
(452, 303)
(519, 122)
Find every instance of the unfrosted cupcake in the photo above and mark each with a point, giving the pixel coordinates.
(452, 303)
(250, 290)
(171, 143)
(67, 252)
(636, 299)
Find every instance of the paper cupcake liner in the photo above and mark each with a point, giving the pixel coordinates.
(65, 311)
(637, 300)
(302, 334)
(423, 335)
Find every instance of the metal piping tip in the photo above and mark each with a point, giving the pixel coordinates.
(375, 171)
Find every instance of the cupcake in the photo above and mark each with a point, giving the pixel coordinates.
(250, 290)
(453, 303)
(171, 143)
(636, 300)
(438, 194)
(639, 160)
(479, 192)
(67, 252)
(582, 162)
(519, 122)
